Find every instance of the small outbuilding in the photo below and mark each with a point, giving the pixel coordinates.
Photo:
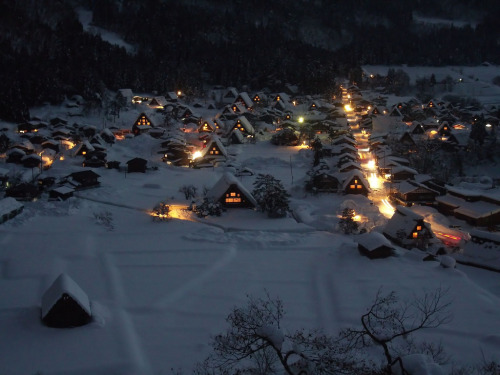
(375, 245)
(137, 165)
(65, 304)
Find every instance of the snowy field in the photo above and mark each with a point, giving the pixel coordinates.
(473, 82)
(159, 290)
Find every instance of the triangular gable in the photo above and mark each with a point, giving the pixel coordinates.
(158, 101)
(231, 192)
(143, 119)
(242, 124)
(231, 93)
(355, 181)
(64, 285)
(238, 107)
(214, 149)
(244, 99)
(207, 126)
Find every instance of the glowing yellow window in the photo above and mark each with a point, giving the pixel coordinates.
(415, 234)
(352, 186)
(419, 227)
(355, 181)
(359, 186)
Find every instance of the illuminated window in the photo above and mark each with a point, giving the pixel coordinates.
(355, 181)
(359, 186)
(353, 186)
(415, 234)
(419, 227)
(233, 198)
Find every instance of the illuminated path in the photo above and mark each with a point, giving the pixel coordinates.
(379, 195)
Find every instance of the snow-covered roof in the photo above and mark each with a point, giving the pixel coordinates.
(224, 183)
(347, 177)
(373, 240)
(490, 236)
(344, 139)
(402, 168)
(246, 99)
(9, 204)
(63, 189)
(408, 186)
(245, 124)
(64, 285)
(404, 219)
(214, 139)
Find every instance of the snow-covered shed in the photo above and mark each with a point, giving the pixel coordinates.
(9, 207)
(137, 165)
(375, 245)
(230, 192)
(65, 304)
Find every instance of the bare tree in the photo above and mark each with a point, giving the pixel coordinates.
(389, 320)
(255, 343)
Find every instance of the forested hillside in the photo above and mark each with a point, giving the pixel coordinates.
(47, 54)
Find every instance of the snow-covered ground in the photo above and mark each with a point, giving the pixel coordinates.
(473, 82)
(159, 290)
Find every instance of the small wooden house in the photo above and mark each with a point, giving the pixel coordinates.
(324, 182)
(350, 166)
(207, 126)
(243, 125)
(407, 140)
(230, 95)
(282, 97)
(409, 193)
(137, 165)
(444, 130)
(416, 128)
(355, 183)
(408, 229)
(15, 155)
(375, 245)
(231, 193)
(83, 179)
(259, 98)
(23, 192)
(158, 102)
(31, 161)
(401, 173)
(142, 125)
(83, 148)
(65, 304)
(244, 99)
(61, 193)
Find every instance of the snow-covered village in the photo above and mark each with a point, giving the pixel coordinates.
(236, 230)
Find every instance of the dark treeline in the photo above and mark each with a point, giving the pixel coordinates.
(46, 55)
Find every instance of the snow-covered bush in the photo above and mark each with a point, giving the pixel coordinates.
(104, 218)
(208, 208)
(161, 212)
(189, 191)
(346, 223)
